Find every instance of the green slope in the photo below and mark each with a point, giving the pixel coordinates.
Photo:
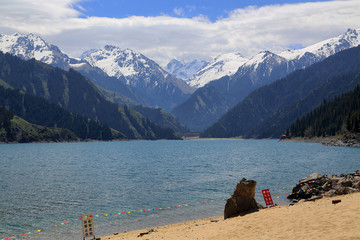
(16, 129)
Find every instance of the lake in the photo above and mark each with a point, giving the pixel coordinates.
(47, 186)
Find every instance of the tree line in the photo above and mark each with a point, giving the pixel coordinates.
(330, 118)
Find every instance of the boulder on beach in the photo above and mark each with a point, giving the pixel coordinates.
(316, 185)
(242, 201)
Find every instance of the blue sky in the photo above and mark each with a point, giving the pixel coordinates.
(213, 9)
(181, 29)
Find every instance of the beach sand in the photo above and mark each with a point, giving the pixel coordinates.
(320, 219)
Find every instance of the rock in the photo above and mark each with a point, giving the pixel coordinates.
(311, 177)
(323, 185)
(242, 201)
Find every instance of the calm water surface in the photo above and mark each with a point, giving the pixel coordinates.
(46, 184)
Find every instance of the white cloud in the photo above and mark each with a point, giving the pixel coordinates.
(179, 11)
(161, 38)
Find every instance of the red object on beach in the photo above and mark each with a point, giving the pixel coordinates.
(267, 197)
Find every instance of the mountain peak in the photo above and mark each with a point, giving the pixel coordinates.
(222, 65)
(261, 57)
(117, 62)
(28, 46)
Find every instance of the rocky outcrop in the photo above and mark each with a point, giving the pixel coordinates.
(316, 185)
(348, 140)
(242, 201)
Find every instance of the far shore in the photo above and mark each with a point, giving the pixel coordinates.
(328, 141)
(320, 219)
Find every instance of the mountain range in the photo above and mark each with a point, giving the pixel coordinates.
(141, 79)
(268, 111)
(150, 86)
(127, 77)
(208, 103)
(77, 94)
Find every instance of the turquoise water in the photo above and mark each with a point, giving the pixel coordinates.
(46, 184)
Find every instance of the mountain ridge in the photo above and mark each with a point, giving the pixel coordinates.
(262, 69)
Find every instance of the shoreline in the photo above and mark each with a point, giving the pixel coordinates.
(335, 141)
(320, 219)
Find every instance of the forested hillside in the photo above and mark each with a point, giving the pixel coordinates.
(39, 111)
(331, 118)
(16, 129)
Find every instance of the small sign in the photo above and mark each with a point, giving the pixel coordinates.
(267, 197)
(87, 225)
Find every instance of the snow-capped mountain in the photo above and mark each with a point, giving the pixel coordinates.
(153, 83)
(28, 46)
(203, 107)
(185, 70)
(149, 83)
(222, 65)
(266, 66)
(229, 64)
(326, 48)
(117, 62)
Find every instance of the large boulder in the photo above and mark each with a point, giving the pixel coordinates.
(242, 201)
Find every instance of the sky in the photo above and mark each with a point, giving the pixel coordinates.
(181, 29)
(213, 9)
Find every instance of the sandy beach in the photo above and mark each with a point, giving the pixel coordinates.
(320, 219)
